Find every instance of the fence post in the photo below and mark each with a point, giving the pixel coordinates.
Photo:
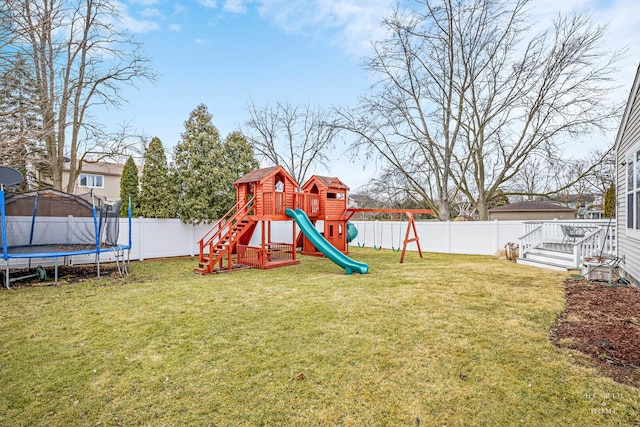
(141, 238)
(192, 240)
(69, 227)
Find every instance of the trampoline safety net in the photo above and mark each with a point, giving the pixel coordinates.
(60, 220)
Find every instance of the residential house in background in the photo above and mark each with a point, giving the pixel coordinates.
(102, 179)
(532, 210)
(360, 201)
(627, 148)
(589, 206)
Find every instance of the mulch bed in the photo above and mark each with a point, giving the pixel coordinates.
(603, 322)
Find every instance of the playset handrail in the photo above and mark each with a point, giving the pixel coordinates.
(221, 224)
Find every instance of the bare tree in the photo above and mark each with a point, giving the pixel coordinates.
(534, 178)
(466, 95)
(79, 58)
(583, 182)
(296, 137)
(7, 33)
(563, 178)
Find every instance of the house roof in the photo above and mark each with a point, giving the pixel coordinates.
(627, 111)
(259, 175)
(103, 168)
(574, 198)
(531, 205)
(327, 181)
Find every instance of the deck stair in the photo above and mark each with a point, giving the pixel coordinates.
(548, 244)
(550, 259)
(219, 242)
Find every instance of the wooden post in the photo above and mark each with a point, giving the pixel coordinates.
(230, 248)
(262, 232)
(411, 225)
(293, 239)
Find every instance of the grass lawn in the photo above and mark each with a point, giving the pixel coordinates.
(449, 340)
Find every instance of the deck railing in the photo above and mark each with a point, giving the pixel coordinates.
(310, 203)
(533, 238)
(274, 203)
(252, 256)
(598, 238)
(222, 227)
(256, 256)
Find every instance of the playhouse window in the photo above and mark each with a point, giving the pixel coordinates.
(92, 181)
(279, 186)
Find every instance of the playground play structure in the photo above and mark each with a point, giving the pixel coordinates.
(270, 197)
(50, 224)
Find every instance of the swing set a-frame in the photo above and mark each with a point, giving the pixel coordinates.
(411, 225)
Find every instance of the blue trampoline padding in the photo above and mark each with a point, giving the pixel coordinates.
(41, 252)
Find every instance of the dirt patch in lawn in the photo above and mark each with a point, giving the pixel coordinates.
(603, 322)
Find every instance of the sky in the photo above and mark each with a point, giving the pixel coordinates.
(227, 54)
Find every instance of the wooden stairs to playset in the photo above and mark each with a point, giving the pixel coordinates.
(220, 243)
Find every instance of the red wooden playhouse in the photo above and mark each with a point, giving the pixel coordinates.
(326, 200)
(270, 197)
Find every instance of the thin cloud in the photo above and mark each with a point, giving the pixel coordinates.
(235, 6)
(138, 26)
(209, 4)
(130, 23)
(351, 24)
(178, 9)
(151, 12)
(144, 2)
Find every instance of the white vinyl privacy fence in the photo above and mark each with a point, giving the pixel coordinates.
(468, 237)
(160, 238)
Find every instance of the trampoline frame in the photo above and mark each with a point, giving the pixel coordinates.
(26, 252)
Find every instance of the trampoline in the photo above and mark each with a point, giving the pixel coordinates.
(50, 224)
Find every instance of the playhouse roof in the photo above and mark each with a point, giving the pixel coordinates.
(260, 175)
(327, 181)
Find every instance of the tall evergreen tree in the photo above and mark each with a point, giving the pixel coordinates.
(199, 179)
(20, 131)
(157, 195)
(610, 202)
(239, 160)
(129, 189)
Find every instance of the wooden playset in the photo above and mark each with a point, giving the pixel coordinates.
(269, 196)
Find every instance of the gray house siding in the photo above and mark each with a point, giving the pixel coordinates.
(627, 146)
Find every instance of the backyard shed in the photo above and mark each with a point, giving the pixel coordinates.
(532, 210)
(627, 149)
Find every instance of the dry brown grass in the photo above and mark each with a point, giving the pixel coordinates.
(446, 340)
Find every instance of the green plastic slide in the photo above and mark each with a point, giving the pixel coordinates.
(323, 245)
